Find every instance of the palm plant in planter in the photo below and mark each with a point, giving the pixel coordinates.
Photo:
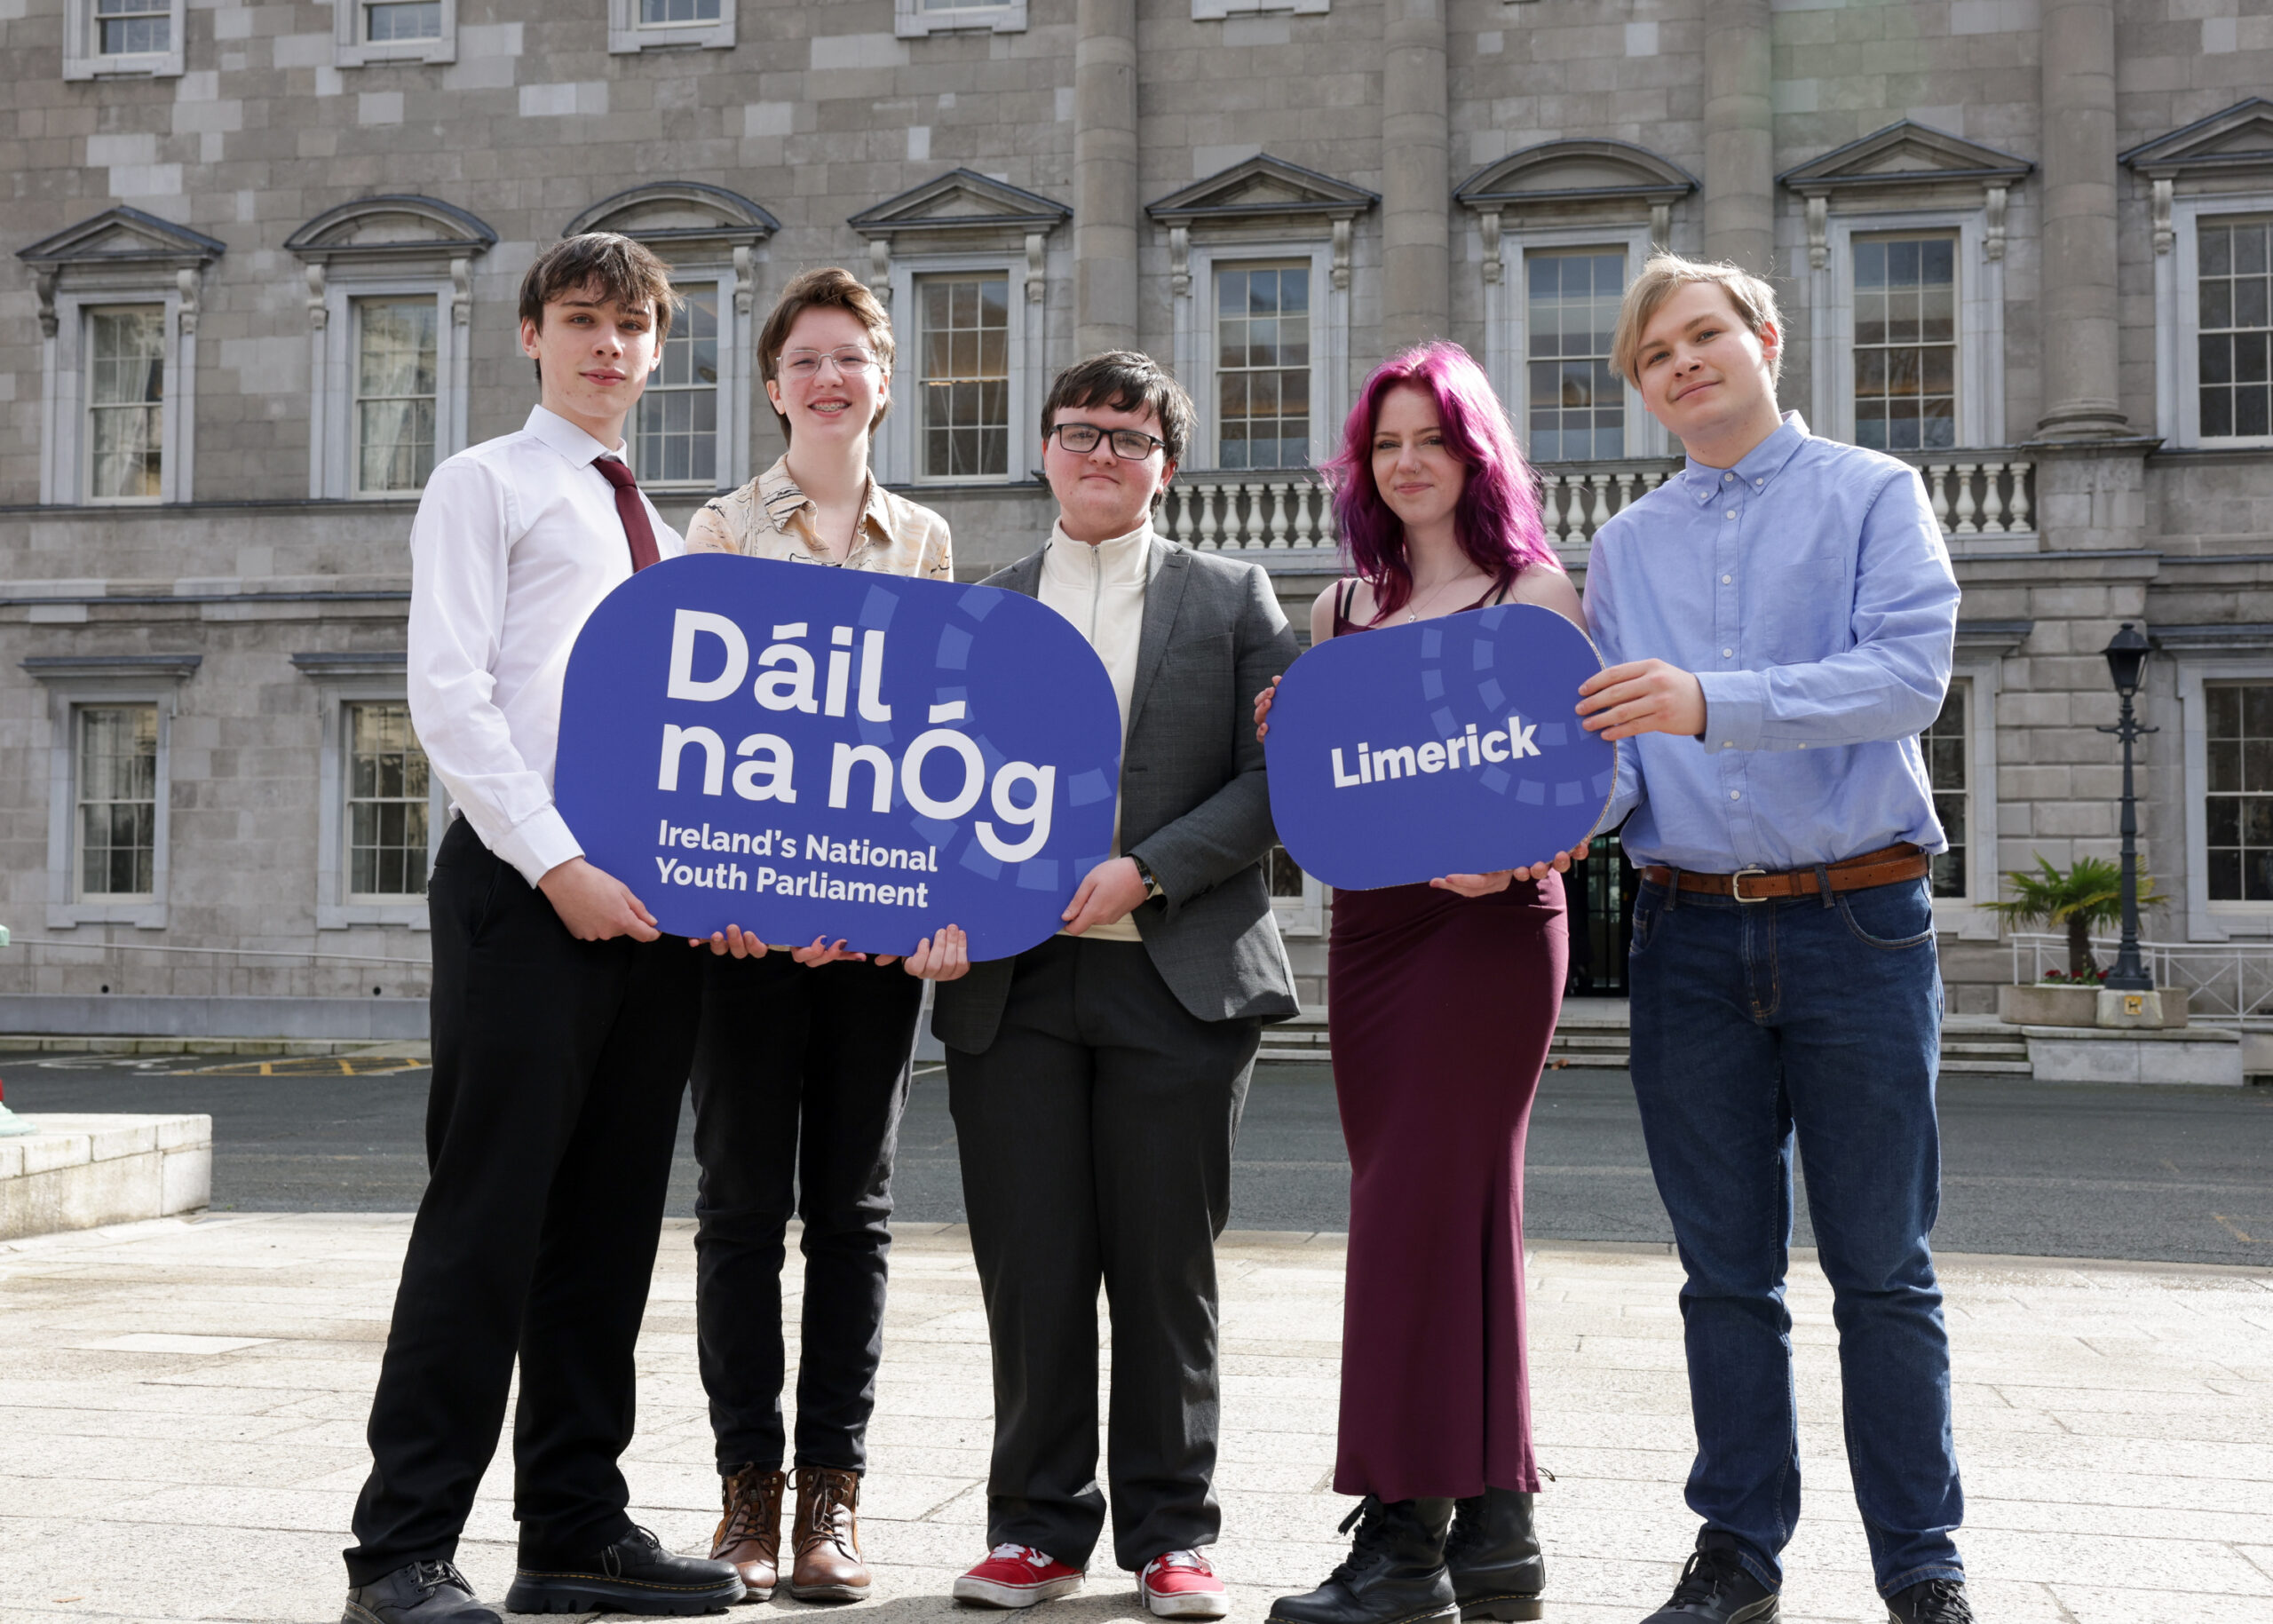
(2086, 896)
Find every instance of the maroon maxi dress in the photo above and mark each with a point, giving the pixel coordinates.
(1440, 1008)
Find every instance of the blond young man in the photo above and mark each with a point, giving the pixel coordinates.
(800, 1072)
(563, 1023)
(1779, 618)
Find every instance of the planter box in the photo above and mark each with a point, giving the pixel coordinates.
(2049, 1006)
(2087, 1006)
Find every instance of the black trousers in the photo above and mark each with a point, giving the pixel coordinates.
(1096, 1137)
(558, 1070)
(800, 1077)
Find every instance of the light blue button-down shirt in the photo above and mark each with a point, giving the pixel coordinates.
(1810, 592)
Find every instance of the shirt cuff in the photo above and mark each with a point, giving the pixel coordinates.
(539, 845)
(1736, 703)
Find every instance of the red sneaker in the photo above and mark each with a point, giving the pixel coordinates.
(1179, 1584)
(1018, 1576)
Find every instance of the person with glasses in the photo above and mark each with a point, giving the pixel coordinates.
(1096, 1080)
(801, 1064)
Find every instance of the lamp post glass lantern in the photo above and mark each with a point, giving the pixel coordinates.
(2126, 664)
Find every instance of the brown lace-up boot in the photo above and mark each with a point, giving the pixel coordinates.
(749, 1533)
(827, 1537)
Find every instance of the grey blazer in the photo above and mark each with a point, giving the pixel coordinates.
(1193, 802)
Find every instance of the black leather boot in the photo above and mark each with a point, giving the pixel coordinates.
(1395, 1574)
(1493, 1553)
(633, 1575)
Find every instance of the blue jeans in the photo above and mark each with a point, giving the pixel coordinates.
(1824, 1016)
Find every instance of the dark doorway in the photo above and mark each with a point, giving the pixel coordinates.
(1599, 892)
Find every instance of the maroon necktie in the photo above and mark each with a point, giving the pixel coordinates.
(633, 512)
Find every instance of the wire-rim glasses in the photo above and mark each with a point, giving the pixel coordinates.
(801, 364)
(1129, 445)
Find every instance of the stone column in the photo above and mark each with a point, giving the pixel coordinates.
(2078, 299)
(1416, 175)
(1106, 209)
(1739, 139)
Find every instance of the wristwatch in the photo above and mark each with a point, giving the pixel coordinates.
(1144, 873)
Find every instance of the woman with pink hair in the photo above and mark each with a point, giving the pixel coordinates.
(1441, 1000)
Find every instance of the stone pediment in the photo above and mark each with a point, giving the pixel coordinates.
(392, 228)
(2237, 141)
(1906, 154)
(1565, 172)
(124, 238)
(962, 201)
(687, 216)
(1263, 188)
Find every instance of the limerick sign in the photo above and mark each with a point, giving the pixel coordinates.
(1451, 746)
(819, 752)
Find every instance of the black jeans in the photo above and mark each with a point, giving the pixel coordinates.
(1095, 1138)
(800, 1077)
(558, 1070)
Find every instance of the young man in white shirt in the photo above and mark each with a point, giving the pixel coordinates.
(563, 1023)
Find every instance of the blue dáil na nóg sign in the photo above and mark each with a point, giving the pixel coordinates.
(1450, 746)
(820, 752)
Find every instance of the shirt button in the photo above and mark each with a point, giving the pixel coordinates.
(1731, 513)
(1726, 478)
(1734, 795)
(1726, 579)
(1756, 484)
(1728, 653)
(1728, 744)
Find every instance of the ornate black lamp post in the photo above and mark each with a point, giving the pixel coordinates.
(2126, 661)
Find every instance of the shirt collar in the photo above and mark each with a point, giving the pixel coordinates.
(1757, 466)
(1123, 556)
(781, 500)
(566, 437)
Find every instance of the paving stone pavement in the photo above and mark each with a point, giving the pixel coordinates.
(182, 1406)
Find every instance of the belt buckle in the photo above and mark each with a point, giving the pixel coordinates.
(1735, 885)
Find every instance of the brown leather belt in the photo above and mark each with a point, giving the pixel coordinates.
(1892, 866)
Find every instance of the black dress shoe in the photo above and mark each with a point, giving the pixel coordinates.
(418, 1593)
(1936, 1601)
(1493, 1553)
(635, 1574)
(1716, 1588)
(1395, 1574)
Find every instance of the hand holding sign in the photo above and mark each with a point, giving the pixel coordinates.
(808, 753)
(1443, 748)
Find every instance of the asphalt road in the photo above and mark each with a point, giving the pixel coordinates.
(2163, 1174)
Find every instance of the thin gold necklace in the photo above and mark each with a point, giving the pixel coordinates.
(1413, 610)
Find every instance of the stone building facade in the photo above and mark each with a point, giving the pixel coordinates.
(266, 257)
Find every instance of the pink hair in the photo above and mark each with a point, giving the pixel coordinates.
(1497, 519)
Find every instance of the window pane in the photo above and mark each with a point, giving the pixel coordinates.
(131, 27)
(675, 435)
(2238, 811)
(117, 793)
(395, 371)
(1262, 350)
(1944, 745)
(965, 385)
(669, 13)
(126, 378)
(386, 809)
(2234, 304)
(417, 20)
(1906, 343)
(1577, 408)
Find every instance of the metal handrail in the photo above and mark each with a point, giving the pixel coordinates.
(2228, 984)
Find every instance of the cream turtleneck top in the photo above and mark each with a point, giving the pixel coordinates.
(1101, 590)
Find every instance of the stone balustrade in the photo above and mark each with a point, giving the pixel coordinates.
(1242, 512)
(1983, 492)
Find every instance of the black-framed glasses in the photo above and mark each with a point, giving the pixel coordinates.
(802, 364)
(1129, 445)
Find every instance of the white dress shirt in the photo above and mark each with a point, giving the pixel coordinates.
(516, 541)
(1101, 590)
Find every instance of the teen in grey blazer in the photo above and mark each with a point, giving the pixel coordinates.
(1097, 1081)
